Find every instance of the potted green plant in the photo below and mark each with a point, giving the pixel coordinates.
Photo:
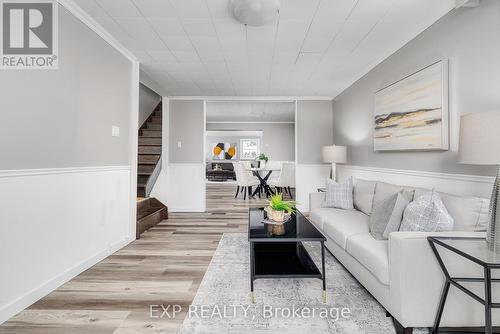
(278, 208)
(263, 159)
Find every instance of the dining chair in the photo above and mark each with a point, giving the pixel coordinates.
(286, 179)
(244, 179)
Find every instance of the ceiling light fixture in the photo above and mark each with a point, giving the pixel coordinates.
(255, 12)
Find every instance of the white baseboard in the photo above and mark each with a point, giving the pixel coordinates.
(44, 289)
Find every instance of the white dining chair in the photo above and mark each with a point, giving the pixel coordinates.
(286, 179)
(244, 179)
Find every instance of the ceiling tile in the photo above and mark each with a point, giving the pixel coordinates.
(140, 30)
(92, 8)
(316, 47)
(298, 9)
(218, 8)
(199, 27)
(211, 56)
(206, 44)
(178, 43)
(229, 29)
(192, 9)
(186, 56)
(335, 9)
(119, 8)
(162, 56)
(320, 35)
(155, 8)
(168, 27)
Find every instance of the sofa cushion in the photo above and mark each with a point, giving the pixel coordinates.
(372, 254)
(470, 214)
(340, 224)
(364, 191)
(385, 190)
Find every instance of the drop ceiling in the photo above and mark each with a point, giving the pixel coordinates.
(315, 48)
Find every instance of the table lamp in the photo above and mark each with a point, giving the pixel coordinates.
(334, 154)
(480, 145)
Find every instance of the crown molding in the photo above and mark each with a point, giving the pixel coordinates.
(253, 98)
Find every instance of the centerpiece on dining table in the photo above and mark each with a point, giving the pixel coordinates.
(278, 212)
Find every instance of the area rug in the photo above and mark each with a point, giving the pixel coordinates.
(293, 306)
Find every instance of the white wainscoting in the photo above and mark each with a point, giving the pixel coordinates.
(56, 223)
(308, 179)
(459, 184)
(181, 186)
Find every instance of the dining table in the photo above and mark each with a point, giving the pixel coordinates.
(263, 174)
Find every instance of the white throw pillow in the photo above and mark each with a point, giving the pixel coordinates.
(427, 214)
(339, 195)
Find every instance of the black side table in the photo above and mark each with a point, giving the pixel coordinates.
(477, 251)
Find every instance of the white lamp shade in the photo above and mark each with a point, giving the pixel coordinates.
(334, 153)
(255, 12)
(480, 138)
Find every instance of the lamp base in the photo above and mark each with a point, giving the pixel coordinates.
(493, 232)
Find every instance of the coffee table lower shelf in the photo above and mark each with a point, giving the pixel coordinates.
(283, 260)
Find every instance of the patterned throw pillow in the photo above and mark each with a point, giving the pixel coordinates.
(386, 218)
(339, 195)
(427, 214)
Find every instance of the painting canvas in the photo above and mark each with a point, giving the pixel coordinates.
(224, 151)
(412, 114)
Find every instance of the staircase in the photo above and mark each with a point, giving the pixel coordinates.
(150, 211)
(149, 159)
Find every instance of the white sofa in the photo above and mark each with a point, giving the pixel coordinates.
(402, 272)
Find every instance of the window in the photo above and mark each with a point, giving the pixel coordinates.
(249, 148)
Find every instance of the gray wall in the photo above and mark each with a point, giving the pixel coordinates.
(186, 124)
(63, 118)
(314, 130)
(470, 39)
(148, 100)
(278, 138)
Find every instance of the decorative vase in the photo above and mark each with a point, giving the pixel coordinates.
(276, 229)
(262, 164)
(276, 216)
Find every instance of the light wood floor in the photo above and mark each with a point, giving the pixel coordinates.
(165, 267)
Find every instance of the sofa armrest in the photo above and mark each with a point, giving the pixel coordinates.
(316, 200)
(416, 280)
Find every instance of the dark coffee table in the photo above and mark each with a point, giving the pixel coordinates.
(283, 256)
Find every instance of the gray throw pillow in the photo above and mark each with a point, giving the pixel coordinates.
(397, 214)
(339, 195)
(387, 216)
(427, 214)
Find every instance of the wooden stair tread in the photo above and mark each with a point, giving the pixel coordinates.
(147, 212)
(149, 141)
(150, 133)
(149, 149)
(148, 159)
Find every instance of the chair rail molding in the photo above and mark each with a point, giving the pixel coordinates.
(460, 184)
(63, 170)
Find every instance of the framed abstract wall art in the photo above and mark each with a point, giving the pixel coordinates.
(412, 113)
(224, 151)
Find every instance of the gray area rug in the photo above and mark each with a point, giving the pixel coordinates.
(223, 304)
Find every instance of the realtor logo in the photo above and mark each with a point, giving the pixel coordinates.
(29, 35)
